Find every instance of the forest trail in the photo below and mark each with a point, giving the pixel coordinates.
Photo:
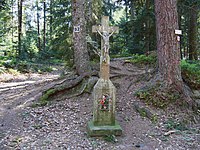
(62, 124)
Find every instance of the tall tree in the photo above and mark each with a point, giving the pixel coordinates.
(193, 31)
(168, 48)
(44, 25)
(20, 2)
(147, 26)
(81, 57)
(38, 26)
(51, 18)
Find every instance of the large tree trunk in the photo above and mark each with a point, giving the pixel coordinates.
(81, 57)
(168, 48)
(167, 44)
(192, 34)
(74, 85)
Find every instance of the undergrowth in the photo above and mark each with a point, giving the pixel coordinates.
(172, 124)
(144, 60)
(8, 64)
(191, 73)
(158, 97)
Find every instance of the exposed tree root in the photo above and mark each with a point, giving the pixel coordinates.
(160, 94)
(70, 87)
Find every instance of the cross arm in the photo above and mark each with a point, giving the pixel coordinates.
(96, 28)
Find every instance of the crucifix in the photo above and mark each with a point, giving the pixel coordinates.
(105, 31)
(104, 92)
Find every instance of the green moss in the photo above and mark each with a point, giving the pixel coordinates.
(44, 100)
(47, 94)
(159, 98)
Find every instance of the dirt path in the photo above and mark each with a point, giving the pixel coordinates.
(62, 124)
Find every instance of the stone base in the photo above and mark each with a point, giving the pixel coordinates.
(104, 130)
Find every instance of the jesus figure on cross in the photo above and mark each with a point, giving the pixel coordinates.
(106, 45)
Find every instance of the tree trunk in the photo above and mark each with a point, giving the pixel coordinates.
(147, 36)
(38, 27)
(168, 48)
(179, 21)
(12, 25)
(81, 57)
(192, 34)
(167, 44)
(19, 28)
(44, 26)
(132, 10)
(74, 86)
(126, 10)
(51, 18)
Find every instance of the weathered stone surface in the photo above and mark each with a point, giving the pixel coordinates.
(94, 130)
(104, 116)
(104, 122)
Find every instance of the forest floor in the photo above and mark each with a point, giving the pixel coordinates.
(62, 124)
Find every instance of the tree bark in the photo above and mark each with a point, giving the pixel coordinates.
(193, 31)
(167, 44)
(168, 48)
(179, 24)
(81, 57)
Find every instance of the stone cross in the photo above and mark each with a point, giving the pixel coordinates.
(105, 31)
(104, 93)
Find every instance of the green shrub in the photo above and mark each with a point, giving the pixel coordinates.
(143, 59)
(191, 73)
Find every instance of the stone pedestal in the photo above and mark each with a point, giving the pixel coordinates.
(104, 122)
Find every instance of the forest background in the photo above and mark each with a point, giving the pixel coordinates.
(40, 32)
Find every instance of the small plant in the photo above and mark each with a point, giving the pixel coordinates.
(13, 71)
(177, 125)
(110, 138)
(154, 118)
(17, 140)
(143, 112)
